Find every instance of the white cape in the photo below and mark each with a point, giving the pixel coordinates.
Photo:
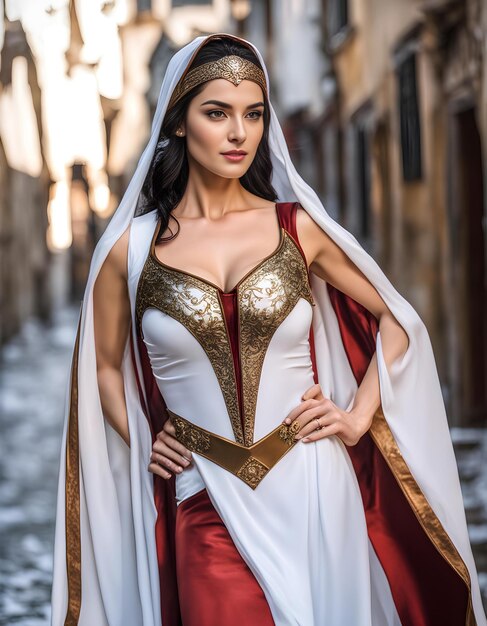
(105, 560)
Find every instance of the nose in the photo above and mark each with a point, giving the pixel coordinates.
(237, 132)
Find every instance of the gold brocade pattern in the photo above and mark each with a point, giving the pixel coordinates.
(72, 498)
(265, 298)
(383, 438)
(192, 437)
(252, 471)
(287, 433)
(249, 463)
(191, 302)
(232, 68)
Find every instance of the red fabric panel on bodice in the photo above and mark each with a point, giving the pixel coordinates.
(229, 304)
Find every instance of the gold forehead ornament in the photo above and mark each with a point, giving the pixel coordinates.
(231, 67)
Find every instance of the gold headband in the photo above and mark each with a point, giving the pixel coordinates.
(232, 68)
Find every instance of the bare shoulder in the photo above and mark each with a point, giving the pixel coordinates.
(313, 239)
(305, 222)
(117, 256)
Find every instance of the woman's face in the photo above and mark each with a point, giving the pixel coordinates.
(221, 118)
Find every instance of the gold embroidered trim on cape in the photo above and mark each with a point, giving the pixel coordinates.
(384, 439)
(250, 464)
(72, 495)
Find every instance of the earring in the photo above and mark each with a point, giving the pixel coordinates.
(179, 132)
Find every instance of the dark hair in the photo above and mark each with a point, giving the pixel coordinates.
(168, 172)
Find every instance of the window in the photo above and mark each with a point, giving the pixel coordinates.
(143, 5)
(182, 3)
(409, 119)
(363, 173)
(337, 15)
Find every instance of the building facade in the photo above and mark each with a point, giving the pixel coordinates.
(385, 105)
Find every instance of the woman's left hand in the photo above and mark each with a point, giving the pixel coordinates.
(319, 417)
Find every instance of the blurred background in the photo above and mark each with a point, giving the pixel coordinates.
(384, 107)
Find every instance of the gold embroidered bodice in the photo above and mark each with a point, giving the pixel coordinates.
(264, 298)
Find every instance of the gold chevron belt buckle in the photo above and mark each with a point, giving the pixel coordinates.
(251, 463)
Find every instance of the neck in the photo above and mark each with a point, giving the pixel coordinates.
(211, 198)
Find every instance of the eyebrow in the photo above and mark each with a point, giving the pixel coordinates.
(225, 105)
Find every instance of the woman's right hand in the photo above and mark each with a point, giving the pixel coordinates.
(168, 453)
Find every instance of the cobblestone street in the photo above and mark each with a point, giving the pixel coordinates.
(33, 374)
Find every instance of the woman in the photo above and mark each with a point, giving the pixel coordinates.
(262, 342)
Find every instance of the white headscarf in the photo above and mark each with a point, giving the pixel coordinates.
(114, 529)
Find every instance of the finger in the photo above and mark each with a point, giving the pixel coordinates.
(166, 462)
(162, 448)
(312, 413)
(169, 427)
(312, 392)
(316, 408)
(159, 471)
(312, 425)
(309, 409)
(333, 429)
(173, 444)
(296, 412)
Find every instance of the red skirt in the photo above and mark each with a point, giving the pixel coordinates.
(215, 585)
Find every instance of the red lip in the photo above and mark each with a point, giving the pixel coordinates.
(235, 152)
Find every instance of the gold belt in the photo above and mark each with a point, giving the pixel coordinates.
(251, 463)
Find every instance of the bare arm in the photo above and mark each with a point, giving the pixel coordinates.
(111, 313)
(112, 324)
(327, 260)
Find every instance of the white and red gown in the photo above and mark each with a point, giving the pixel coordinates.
(132, 549)
(328, 537)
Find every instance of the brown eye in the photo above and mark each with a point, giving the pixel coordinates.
(211, 112)
(258, 114)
